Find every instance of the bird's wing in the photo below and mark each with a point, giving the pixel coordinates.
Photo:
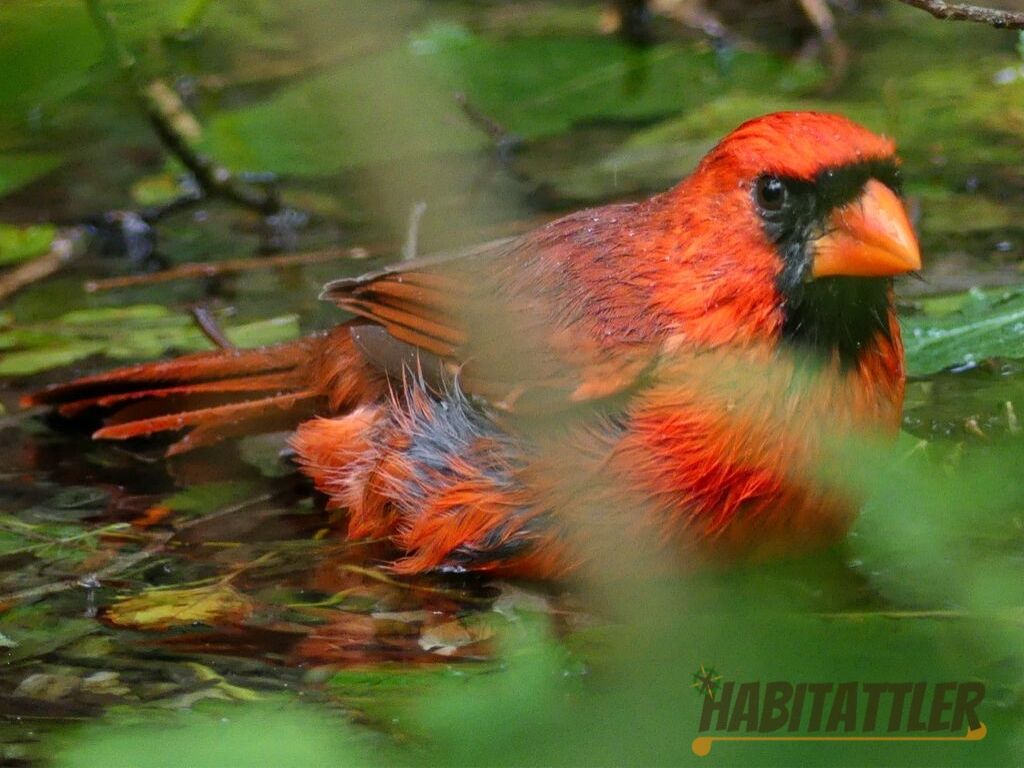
(418, 302)
(524, 321)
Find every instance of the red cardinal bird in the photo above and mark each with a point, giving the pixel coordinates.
(680, 354)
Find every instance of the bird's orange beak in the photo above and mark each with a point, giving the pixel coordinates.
(870, 237)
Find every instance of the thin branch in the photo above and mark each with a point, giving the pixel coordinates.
(818, 13)
(210, 327)
(1009, 615)
(175, 126)
(118, 52)
(413, 586)
(202, 269)
(225, 512)
(504, 140)
(62, 251)
(894, 614)
(215, 179)
(695, 15)
(976, 13)
(412, 233)
(117, 567)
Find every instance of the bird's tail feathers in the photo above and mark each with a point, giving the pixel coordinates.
(215, 395)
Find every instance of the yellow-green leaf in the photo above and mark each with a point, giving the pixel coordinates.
(164, 608)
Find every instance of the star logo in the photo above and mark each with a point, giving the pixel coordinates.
(706, 681)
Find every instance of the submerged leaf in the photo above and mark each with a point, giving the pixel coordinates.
(448, 638)
(48, 687)
(157, 609)
(35, 630)
(123, 333)
(31, 361)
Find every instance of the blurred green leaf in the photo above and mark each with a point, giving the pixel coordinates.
(122, 333)
(286, 735)
(101, 315)
(534, 87)
(31, 361)
(22, 243)
(47, 51)
(50, 48)
(36, 630)
(191, 14)
(17, 170)
(343, 124)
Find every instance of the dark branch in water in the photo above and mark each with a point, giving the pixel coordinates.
(174, 125)
(962, 12)
(117, 567)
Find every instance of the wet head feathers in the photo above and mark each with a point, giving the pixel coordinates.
(797, 145)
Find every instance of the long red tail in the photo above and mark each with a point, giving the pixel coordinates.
(216, 395)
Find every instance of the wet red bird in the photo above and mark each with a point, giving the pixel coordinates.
(678, 356)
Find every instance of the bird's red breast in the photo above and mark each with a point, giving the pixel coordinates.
(681, 355)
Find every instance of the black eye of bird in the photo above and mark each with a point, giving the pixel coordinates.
(770, 193)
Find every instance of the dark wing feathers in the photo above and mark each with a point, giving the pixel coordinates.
(420, 301)
(498, 313)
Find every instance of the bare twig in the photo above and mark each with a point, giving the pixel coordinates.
(225, 512)
(821, 17)
(505, 141)
(1012, 422)
(215, 179)
(631, 19)
(412, 232)
(976, 13)
(210, 327)
(378, 575)
(175, 126)
(62, 251)
(201, 269)
(487, 124)
(1011, 615)
(695, 15)
(922, 614)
